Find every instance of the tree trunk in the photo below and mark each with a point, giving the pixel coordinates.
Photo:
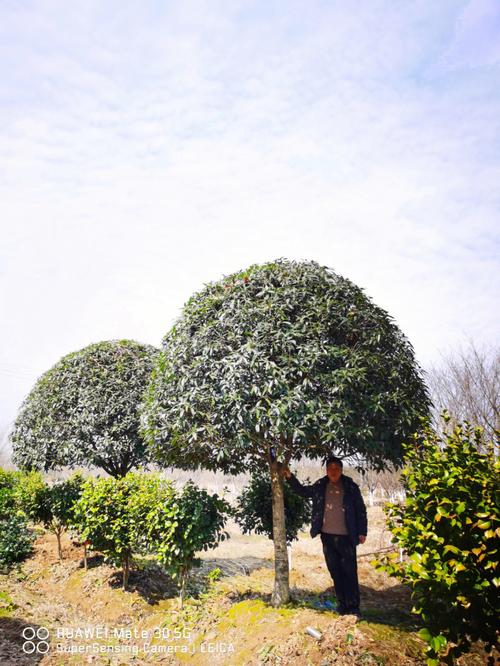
(85, 556)
(281, 593)
(182, 590)
(126, 565)
(59, 549)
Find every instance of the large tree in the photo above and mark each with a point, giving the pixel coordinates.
(85, 410)
(276, 362)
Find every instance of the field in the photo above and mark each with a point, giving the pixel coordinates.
(226, 621)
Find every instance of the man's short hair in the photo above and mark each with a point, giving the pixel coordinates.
(333, 460)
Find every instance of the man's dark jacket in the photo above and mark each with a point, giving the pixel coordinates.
(354, 506)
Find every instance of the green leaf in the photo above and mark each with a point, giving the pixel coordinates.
(425, 635)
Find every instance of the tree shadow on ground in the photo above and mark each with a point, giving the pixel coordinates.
(391, 606)
(19, 649)
(148, 580)
(93, 561)
(153, 584)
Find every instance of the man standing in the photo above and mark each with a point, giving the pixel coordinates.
(339, 515)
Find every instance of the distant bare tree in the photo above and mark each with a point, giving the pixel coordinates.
(390, 485)
(467, 384)
(369, 482)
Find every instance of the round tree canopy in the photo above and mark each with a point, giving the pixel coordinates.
(282, 360)
(85, 410)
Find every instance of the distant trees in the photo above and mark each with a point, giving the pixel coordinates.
(276, 362)
(4, 444)
(85, 411)
(467, 384)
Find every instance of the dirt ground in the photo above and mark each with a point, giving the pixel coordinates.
(67, 615)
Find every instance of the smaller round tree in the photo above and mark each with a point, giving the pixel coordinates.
(84, 411)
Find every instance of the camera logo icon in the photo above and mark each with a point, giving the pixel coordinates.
(35, 640)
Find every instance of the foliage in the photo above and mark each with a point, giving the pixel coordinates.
(106, 515)
(16, 540)
(288, 354)
(140, 513)
(62, 497)
(52, 505)
(450, 526)
(8, 485)
(31, 497)
(280, 361)
(255, 512)
(182, 524)
(84, 411)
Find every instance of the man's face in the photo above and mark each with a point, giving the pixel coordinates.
(334, 470)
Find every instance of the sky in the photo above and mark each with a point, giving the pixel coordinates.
(148, 147)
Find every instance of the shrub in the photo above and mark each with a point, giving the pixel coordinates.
(30, 494)
(141, 513)
(182, 524)
(450, 527)
(51, 505)
(8, 485)
(254, 512)
(107, 516)
(16, 540)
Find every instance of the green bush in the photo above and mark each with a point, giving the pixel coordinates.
(16, 540)
(449, 525)
(254, 512)
(51, 505)
(140, 513)
(8, 486)
(107, 515)
(30, 496)
(182, 524)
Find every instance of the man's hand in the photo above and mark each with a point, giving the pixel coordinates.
(362, 538)
(285, 471)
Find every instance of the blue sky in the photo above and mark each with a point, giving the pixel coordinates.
(149, 147)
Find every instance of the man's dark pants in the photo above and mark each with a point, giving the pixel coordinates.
(340, 557)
